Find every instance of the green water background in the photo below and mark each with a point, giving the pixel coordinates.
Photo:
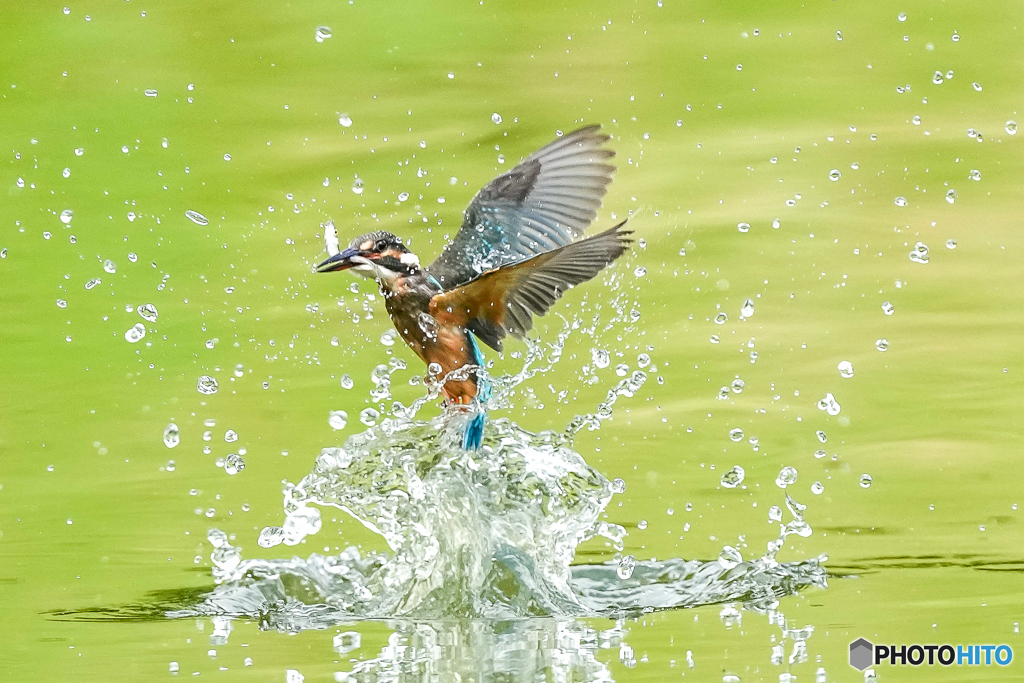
(720, 114)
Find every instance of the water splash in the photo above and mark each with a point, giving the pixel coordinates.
(483, 534)
(488, 534)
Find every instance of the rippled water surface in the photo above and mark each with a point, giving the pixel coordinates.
(788, 418)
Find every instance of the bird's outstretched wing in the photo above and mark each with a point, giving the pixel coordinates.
(504, 301)
(544, 203)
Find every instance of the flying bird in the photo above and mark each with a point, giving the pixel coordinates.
(517, 251)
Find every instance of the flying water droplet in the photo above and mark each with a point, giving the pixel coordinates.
(937, 78)
(747, 309)
(231, 436)
(721, 318)
(819, 454)
(496, 117)
(369, 416)
(902, 16)
(829, 404)
(640, 271)
(626, 566)
(346, 382)
(888, 308)
(357, 185)
(271, 536)
(135, 333)
(151, 93)
(643, 360)
(601, 357)
(388, 338)
(834, 174)
(66, 173)
(743, 227)
(920, 253)
(322, 33)
(207, 385)
(66, 215)
(901, 201)
(730, 557)
(148, 312)
(196, 217)
(882, 344)
(845, 369)
(975, 174)
(109, 266)
(1011, 127)
(338, 419)
(817, 488)
(171, 436)
(774, 514)
(787, 477)
(93, 282)
(347, 642)
(737, 386)
(233, 464)
(736, 434)
(345, 120)
(618, 485)
(733, 477)
(822, 436)
(950, 244)
(951, 196)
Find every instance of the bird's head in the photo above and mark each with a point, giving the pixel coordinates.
(379, 255)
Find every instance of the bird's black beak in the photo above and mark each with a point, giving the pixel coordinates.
(340, 261)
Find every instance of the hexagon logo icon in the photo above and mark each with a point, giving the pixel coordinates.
(861, 654)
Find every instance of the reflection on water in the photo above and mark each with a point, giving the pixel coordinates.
(520, 650)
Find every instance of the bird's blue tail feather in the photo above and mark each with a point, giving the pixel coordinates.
(473, 437)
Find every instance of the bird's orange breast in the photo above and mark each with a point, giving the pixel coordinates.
(434, 342)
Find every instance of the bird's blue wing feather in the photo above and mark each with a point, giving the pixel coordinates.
(545, 202)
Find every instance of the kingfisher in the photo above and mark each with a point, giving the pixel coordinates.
(517, 251)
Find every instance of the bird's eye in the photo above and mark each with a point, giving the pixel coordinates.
(381, 245)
